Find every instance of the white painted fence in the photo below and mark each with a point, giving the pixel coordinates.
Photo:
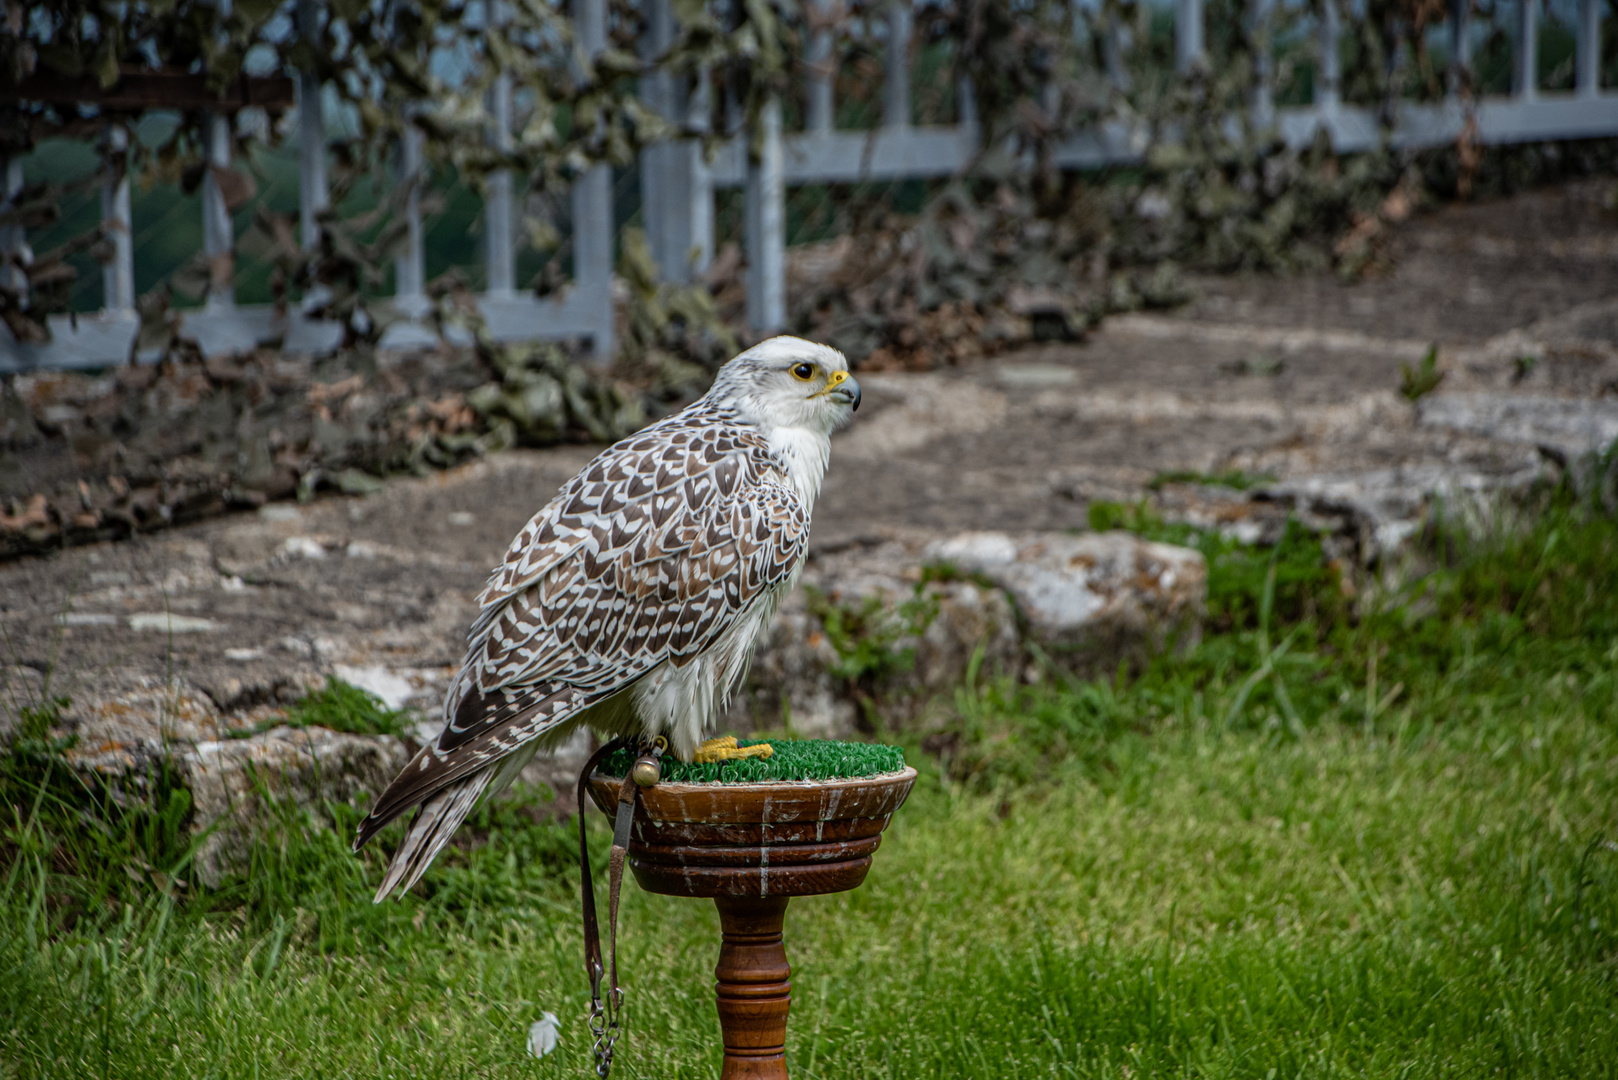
(678, 183)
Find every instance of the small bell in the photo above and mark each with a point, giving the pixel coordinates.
(646, 771)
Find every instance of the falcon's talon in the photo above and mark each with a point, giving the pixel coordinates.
(725, 748)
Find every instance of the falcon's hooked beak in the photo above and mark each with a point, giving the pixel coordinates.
(841, 385)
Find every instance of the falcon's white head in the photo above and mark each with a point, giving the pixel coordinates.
(788, 383)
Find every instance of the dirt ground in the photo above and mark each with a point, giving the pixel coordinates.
(1463, 274)
(1294, 378)
(1284, 376)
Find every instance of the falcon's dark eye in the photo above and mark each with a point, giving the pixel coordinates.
(803, 372)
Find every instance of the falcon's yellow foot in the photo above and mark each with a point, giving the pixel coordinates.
(724, 748)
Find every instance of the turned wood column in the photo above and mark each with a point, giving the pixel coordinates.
(750, 847)
(754, 990)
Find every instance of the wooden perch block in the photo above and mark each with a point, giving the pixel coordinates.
(752, 847)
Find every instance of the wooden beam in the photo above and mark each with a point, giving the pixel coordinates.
(137, 90)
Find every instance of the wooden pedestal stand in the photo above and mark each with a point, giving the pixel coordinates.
(752, 847)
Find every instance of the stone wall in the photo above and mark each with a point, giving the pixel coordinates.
(875, 631)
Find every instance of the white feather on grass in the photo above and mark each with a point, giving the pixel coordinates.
(543, 1034)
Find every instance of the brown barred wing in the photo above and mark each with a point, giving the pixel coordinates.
(604, 618)
(662, 467)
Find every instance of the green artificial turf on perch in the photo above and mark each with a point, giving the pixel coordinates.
(794, 759)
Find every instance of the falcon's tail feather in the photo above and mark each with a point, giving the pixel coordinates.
(430, 830)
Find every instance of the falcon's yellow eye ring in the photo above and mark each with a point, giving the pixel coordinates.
(803, 372)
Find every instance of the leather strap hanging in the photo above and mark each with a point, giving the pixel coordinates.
(604, 1013)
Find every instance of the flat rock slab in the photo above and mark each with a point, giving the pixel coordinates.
(1093, 600)
(901, 622)
(229, 778)
(1573, 433)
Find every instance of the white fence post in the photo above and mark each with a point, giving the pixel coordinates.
(314, 192)
(702, 185)
(13, 240)
(1264, 66)
(218, 237)
(1114, 44)
(592, 207)
(766, 227)
(656, 93)
(314, 195)
(499, 225)
(1328, 87)
(1460, 14)
(1527, 66)
(118, 276)
(410, 267)
(821, 104)
(672, 185)
(896, 88)
(1188, 47)
(966, 103)
(1588, 47)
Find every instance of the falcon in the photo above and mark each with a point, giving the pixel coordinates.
(632, 602)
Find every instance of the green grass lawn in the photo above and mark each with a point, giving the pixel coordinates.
(1253, 861)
